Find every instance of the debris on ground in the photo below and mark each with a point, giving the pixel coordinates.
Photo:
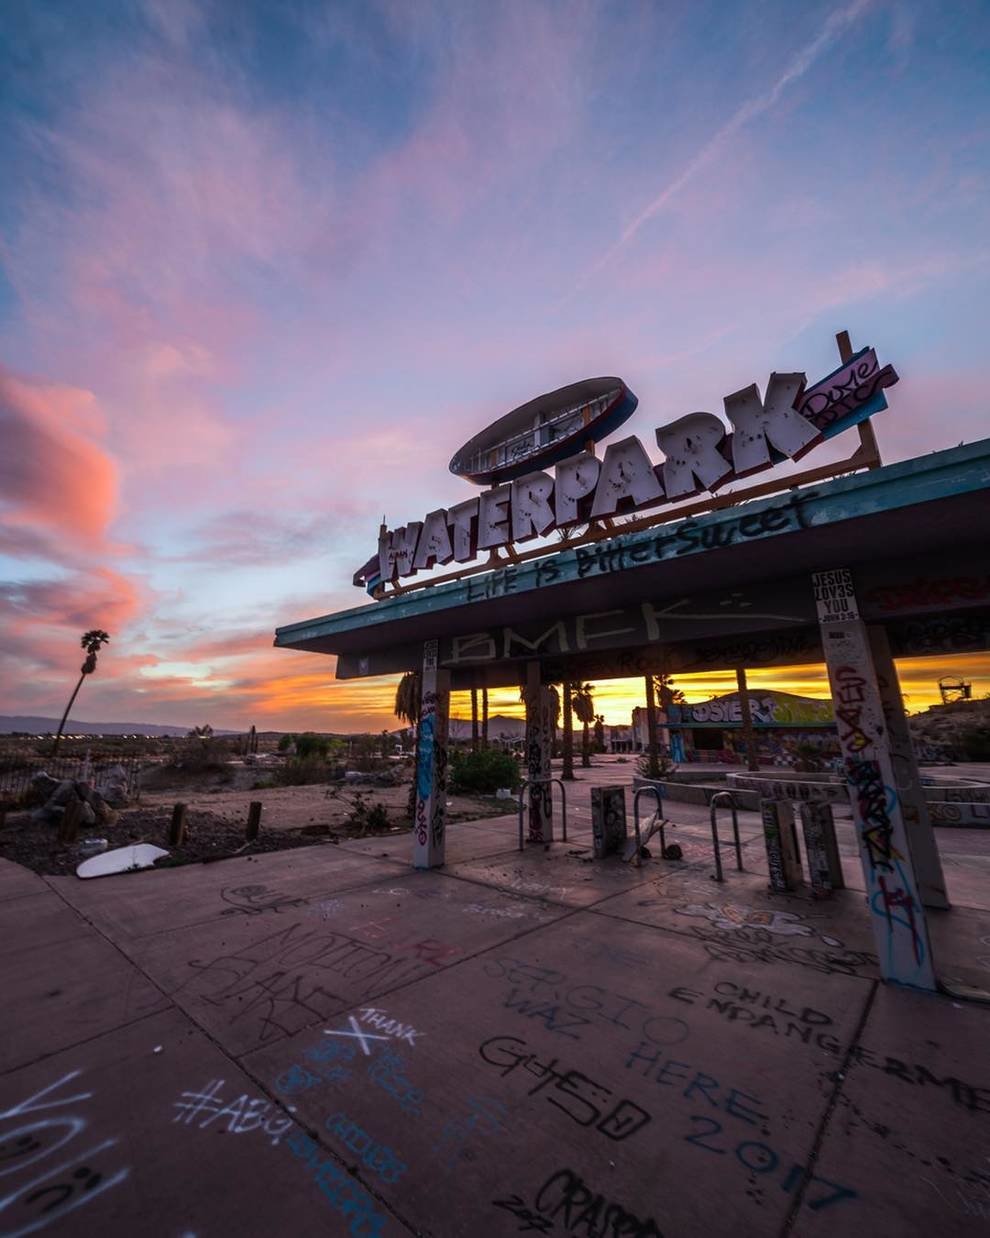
(34, 843)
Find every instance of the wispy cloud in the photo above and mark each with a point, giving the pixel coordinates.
(834, 27)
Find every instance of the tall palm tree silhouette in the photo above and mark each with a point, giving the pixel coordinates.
(92, 642)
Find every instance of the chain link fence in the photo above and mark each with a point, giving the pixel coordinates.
(16, 772)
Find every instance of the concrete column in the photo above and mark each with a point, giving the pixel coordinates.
(780, 837)
(824, 864)
(917, 821)
(897, 913)
(539, 748)
(429, 827)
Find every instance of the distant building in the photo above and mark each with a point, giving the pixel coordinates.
(788, 728)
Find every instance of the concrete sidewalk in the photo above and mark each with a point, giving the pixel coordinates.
(323, 1041)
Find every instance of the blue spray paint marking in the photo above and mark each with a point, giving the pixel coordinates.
(424, 771)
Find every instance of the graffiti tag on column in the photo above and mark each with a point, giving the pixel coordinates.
(49, 1172)
(425, 763)
(875, 804)
(850, 696)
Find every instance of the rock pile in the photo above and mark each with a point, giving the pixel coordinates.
(97, 805)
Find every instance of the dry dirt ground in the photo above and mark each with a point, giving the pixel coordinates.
(217, 806)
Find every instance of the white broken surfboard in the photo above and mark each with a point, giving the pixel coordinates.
(120, 860)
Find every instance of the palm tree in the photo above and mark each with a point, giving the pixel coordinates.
(407, 698)
(408, 702)
(474, 719)
(91, 642)
(567, 771)
(583, 704)
(484, 717)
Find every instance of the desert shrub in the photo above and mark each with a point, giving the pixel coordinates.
(664, 764)
(199, 754)
(309, 744)
(976, 744)
(302, 771)
(483, 772)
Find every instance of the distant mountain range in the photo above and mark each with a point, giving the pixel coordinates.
(41, 726)
(499, 727)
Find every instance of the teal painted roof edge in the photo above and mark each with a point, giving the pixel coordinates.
(940, 474)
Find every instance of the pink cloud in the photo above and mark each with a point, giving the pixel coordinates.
(53, 476)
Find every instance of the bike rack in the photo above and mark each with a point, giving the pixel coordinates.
(526, 782)
(717, 798)
(663, 841)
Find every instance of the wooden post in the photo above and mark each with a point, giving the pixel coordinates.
(749, 735)
(68, 829)
(867, 435)
(253, 821)
(177, 827)
(430, 823)
(896, 910)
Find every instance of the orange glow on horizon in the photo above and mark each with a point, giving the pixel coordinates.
(313, 700)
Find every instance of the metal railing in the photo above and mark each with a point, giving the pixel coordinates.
(717, 798)
(527, 782)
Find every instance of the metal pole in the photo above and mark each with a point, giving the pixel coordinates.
(563, 806)
(715, 843)
(735, 834)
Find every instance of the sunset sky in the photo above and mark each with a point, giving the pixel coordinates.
(265, 266)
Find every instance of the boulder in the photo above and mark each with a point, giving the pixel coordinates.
(113, 786)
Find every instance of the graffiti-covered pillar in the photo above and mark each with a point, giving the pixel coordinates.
(896, 910)
(429, 826)
(539, 749)
(914, 806)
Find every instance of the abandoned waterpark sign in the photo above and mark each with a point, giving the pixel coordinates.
(561, 428)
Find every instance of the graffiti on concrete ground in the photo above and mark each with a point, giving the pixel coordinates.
(247, 1113)
(581, 1098)
(755, 946)
(344, 1195)
(486, 1117)
(291, 979)
(326, 1065)
(48, 1164)
(393, 1028)
(255, 899)
(379, 1158)
(971, 1198)
(732, 916)
(386, 1072)
(567, 1201)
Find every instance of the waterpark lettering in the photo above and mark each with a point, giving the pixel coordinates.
(700, 454)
